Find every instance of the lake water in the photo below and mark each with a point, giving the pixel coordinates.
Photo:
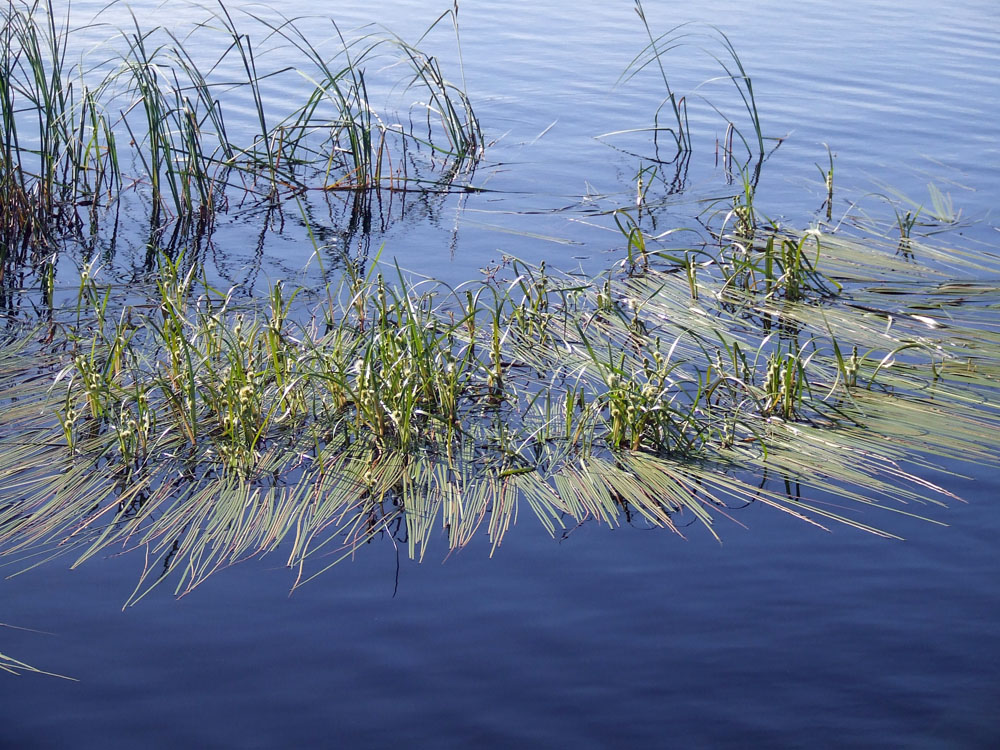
(783, 636)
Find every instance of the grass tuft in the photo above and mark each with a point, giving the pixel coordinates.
(64, 165)
(206, 431)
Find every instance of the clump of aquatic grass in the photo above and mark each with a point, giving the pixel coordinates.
(206, 431)
(334, 140)
(636, 249)
(65, 124)
(749, 248)
(678, 106)
(784, 265)
(58, 146)
(750, 251)
(654, 55)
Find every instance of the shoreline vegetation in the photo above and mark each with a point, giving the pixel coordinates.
(817, 371)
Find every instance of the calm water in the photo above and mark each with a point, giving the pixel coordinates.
(784, 636)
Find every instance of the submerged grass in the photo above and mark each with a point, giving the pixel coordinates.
(205, 432)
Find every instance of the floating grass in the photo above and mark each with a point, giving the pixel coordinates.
(15, 667)
(205, 433)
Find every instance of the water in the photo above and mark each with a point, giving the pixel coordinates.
(903, 96)
(784, 636)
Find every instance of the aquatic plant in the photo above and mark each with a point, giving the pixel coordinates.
(827, 175)
(206, 431)
(65, 125)
(15, 667)
(714, 42)
(55, 155)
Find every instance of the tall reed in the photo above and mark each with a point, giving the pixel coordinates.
(64, 124)
(58, 145)
(655, 54)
